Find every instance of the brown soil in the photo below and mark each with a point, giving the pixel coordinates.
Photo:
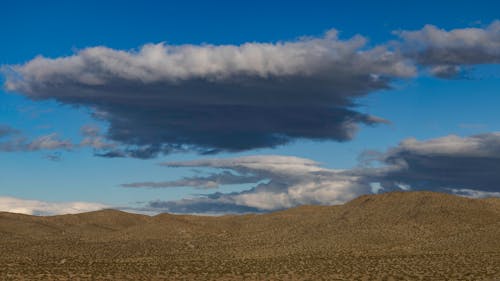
(392, 236)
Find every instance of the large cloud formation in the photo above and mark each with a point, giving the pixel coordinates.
(466, 166)
(445, 52)
(210, 98)
(12, 141)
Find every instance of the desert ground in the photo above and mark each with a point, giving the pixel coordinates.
(391, 236)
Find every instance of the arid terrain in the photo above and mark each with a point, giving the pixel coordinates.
(391, 236)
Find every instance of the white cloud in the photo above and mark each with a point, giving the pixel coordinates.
(474, 193)
(279, 182)
(466, 166)
(49, 142)
(161, 62)
(34, 207)
(483, 145)
(277, 164)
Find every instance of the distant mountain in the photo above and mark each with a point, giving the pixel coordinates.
(398, 235)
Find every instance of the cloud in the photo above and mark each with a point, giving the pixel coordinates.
(49, 142)
(13, 140)
(46, 142)
(6, 131)
(443, 164)
(90, 131)
(56, 156)
(93, 138)
(42, 208)
(466, 166)
(473, 126)
(211, 98)
(446, 52)
(279, 182)
(475, 193)
(208, 98)
(207, 182)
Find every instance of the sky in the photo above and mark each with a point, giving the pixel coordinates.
(244, 106)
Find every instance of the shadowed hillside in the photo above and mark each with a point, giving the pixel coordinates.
(391, 236)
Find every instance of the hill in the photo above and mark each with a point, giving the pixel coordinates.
(391, 236)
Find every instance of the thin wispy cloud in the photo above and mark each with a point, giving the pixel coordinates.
(201, 182)
(51, 141)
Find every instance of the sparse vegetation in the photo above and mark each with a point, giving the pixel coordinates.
(392, 236)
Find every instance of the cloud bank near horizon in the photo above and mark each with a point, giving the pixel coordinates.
(466, 166)
(280, 182)
(443, 164)
(42, 208)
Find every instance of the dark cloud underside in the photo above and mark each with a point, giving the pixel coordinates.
(212, 98)
(218, 98)
(446, 163)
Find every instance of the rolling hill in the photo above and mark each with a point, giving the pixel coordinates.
(390, 236)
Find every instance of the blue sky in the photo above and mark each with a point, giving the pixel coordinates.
(422, 106)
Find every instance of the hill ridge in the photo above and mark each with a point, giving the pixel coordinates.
(411, 235)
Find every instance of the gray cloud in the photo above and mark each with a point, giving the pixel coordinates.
(467, 166)
(208, 98)
(280, 182)
(6, 130)
(444, 164)
(48, 142)
(93, 138)
(446, 52)
(12, 140)
(90, 131)
(213, 204)
(55, 157)
(45, 142)
(200, 182)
